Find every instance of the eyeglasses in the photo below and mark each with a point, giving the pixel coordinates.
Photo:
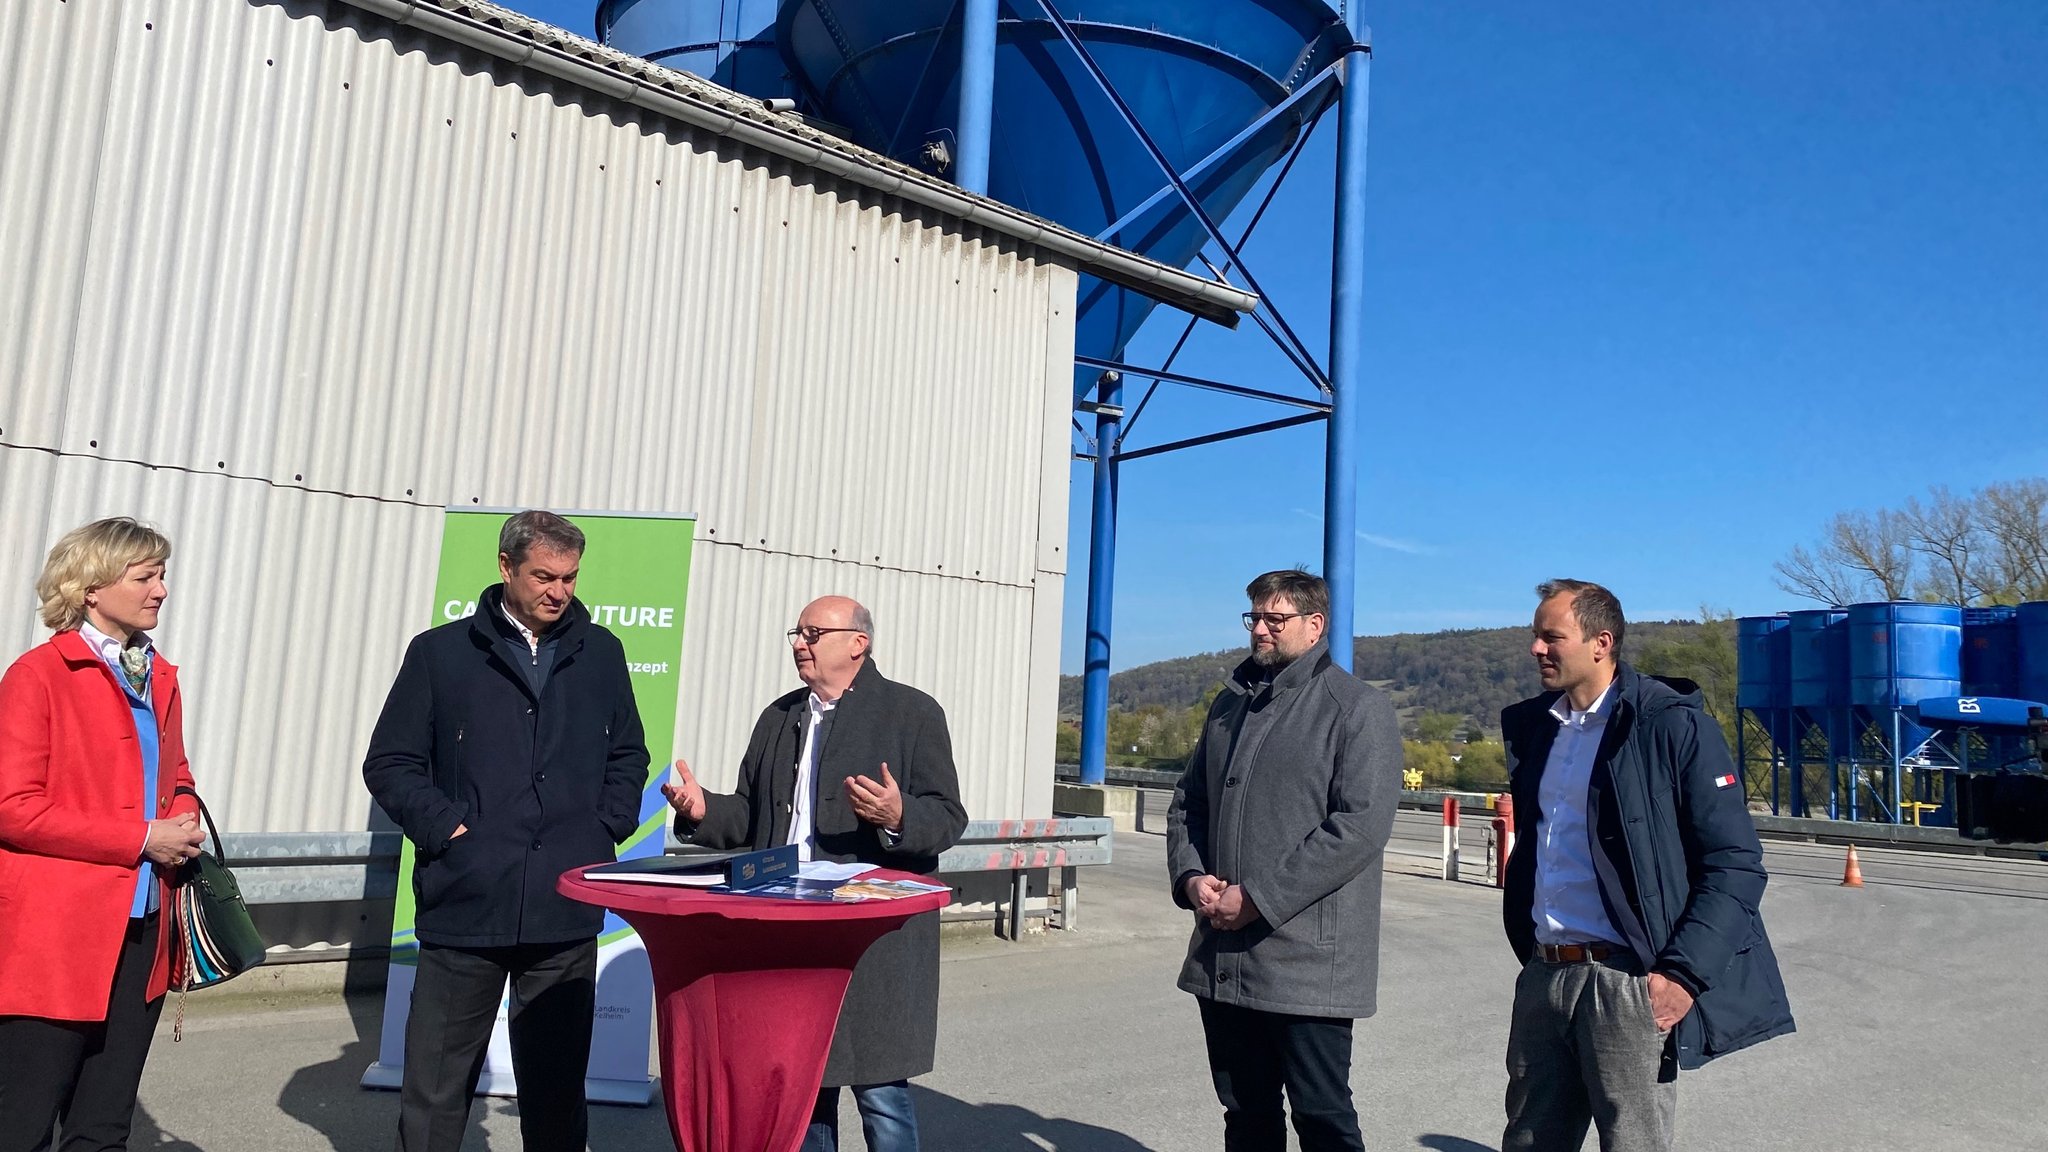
(810, 635)
(1274, 621)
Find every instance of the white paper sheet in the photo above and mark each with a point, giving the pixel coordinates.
(672, 879)
(830, 872)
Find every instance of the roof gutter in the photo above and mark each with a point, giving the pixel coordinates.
(701, 104)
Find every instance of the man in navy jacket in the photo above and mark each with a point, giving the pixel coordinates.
(509, 751)
(1631, 896)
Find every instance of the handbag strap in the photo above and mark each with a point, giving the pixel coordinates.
(212, 833)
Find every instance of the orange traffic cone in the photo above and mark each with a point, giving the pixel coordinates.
(1852, 873)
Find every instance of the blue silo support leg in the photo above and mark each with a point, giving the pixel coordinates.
(1795, 767)
(1101, 579)
(1835, 779)
(1742, 759)
(1347, 350)
(1898, 754)
(977, 92)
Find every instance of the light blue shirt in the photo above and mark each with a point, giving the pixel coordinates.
(146, 735)
(1568, 905)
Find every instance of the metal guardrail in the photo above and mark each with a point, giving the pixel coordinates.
(313, 867)
(1020, 847)
(1131, 777)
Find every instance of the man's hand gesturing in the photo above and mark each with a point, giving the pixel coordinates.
(687, 798)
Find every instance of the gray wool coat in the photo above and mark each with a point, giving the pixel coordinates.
(1291, 794)
(889, 1024)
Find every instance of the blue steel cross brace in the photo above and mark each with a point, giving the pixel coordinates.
(1285, 338)
(1345, 384)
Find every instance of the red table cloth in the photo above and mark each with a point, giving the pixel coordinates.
(747, 992)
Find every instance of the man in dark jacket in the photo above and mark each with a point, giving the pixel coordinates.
(509, 751)
(851, 767)
(1631, 897)
(1275, 841)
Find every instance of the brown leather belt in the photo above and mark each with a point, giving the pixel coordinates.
(1575, 953)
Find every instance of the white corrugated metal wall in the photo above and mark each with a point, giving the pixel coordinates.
(288, 281)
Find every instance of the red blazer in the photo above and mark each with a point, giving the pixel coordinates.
(72, 825)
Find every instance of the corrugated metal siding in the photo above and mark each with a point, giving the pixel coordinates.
(256, 285)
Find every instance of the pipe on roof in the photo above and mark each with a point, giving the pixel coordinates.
(507, 35)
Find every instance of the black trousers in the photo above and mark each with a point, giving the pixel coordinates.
(81, 1077)
(455, 995)
(1253, 1055)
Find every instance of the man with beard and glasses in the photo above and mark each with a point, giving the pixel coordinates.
(1274, 842)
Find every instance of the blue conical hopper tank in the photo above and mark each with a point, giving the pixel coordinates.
(1819, 666)
(1198, 76)
(1763, 674)
(1991, 651)
(2032, 674)
(1901, 653)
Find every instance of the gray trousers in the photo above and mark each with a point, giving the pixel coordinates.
(1583, 1048)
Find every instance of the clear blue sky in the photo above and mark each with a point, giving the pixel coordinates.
(1655, 289)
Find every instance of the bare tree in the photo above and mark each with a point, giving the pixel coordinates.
(1815, 577)
(1860, 553)
(2014, 517)
(1875, 544)
(1944, 531)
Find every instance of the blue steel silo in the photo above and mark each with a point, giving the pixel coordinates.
(1991, 651)
(2031, 625)
(1141, 123)
(729, 42)
(1902, 653)
(1763, 687)
(1818, 666)
(887, 73)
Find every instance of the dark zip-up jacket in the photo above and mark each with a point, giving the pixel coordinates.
(545, 780)
(1680, 869)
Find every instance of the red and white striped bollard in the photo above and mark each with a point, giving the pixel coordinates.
(1450, 837)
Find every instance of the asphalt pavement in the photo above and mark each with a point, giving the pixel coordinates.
(1922, 1001)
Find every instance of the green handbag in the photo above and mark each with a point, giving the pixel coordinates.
(215, 941)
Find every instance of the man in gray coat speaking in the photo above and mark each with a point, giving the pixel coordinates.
(1274, 842)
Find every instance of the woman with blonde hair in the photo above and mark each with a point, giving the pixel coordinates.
(92, 753)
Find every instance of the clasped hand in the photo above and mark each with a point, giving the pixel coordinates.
(1225, 906)
(173, 840)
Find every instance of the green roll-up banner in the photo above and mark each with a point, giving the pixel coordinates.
(634, 580)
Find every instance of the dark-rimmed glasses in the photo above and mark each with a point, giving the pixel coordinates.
(1274, 621)
(810, 635)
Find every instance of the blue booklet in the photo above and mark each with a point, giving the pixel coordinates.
(724, 871)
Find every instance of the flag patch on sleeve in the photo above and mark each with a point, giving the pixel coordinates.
(1724, 781)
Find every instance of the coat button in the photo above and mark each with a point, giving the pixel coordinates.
(536, 845)
(529, 711)
(540, 776)
(1231, 782)
(1223, 977)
